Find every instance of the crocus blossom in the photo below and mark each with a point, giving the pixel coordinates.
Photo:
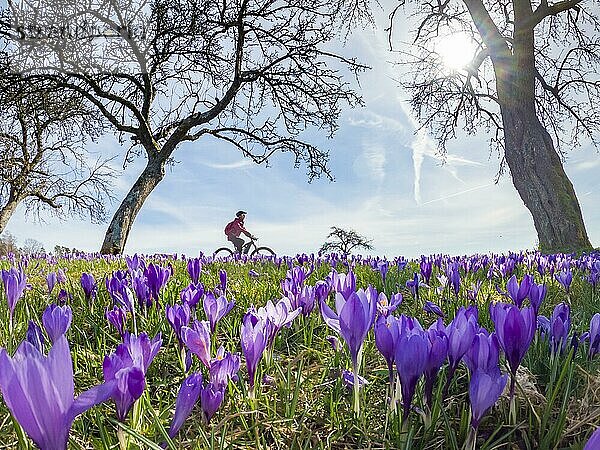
(519, 291)
(178, 317)
(127, 367)
(35, 336)
(56, 321)
(412, 350)
(216, 308)
(515, 329)
(485, 389)
(211, 397)
(194, 267)
(39, 392)
(254, 342)
(197, 340)
(186, 399)
(14, 282)
(89, 286)
(117, 318)
(594, 335)
(386, 336)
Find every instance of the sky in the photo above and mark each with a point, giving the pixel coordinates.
(390, 186)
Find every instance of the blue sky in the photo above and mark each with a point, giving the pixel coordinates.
(390, 186)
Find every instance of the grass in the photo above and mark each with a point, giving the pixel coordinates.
(306, 405)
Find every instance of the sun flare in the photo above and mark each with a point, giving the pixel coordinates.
(456, 50)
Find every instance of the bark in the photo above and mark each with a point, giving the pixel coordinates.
(121, 223)
(7, 211)
(542, 183)
(535, 166)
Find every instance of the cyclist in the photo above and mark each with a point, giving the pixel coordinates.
(233, 231)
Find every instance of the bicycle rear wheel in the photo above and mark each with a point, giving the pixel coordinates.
(222, 252)
(262, 251)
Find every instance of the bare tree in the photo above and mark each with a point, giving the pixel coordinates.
(32, 247)
(533, 83)
(344, 241)
(8, 244)
(251, 73)
(44, 165)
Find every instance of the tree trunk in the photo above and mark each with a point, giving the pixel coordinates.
(542, 183)
(121, 223)
(7, 211)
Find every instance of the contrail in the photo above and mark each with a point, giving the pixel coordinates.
(457, 193)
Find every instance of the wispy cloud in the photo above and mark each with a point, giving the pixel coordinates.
(242, 163)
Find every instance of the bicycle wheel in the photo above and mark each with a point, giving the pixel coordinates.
(262, 251)
(222, 252)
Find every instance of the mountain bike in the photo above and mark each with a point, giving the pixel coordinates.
(249, 248)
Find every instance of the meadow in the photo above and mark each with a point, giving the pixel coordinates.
(481, 351)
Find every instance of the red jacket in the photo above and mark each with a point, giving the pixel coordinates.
(235, 228)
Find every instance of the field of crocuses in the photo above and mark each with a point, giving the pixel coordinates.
(482, 351)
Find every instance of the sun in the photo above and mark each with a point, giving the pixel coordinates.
(456, 50)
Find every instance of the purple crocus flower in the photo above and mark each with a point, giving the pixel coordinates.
(460, 332)
(431, 307)
(537, 293)
(156, 277)
(383, 267)
(14, 282)
(412, 350)
(484, 352)
(565, 277)
(135, 263)
(224, 367)
(56, 321)
(438, 352)
(305, 300)
(51, 280)
(348, 378)
(192, 294)
(119, 291)
(39, 391)
(385, 307)
(194, 267)
(344, 284)
(35, 336)
(594, 441)
(197, 340)
(354, 318)
(253, 273)
(519, 292)
(89, 286)
(142, 292)
(336, 345)
(426, 268)
(515, 329)
(485, 389)
(178, 316)
(560, 325)
(127, 368)
(186, 399)
(413, 285)
(454, 277)
(386, 336)
(222, 281)
(254, 342)
(277, 315)
(322, 290)
(117, 318)
(594, 335)
(211, 397)
(216, 308)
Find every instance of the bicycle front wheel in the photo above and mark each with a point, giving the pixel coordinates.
(222, 252)
(262, 251)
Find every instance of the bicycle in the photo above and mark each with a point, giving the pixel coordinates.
(260, 251)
